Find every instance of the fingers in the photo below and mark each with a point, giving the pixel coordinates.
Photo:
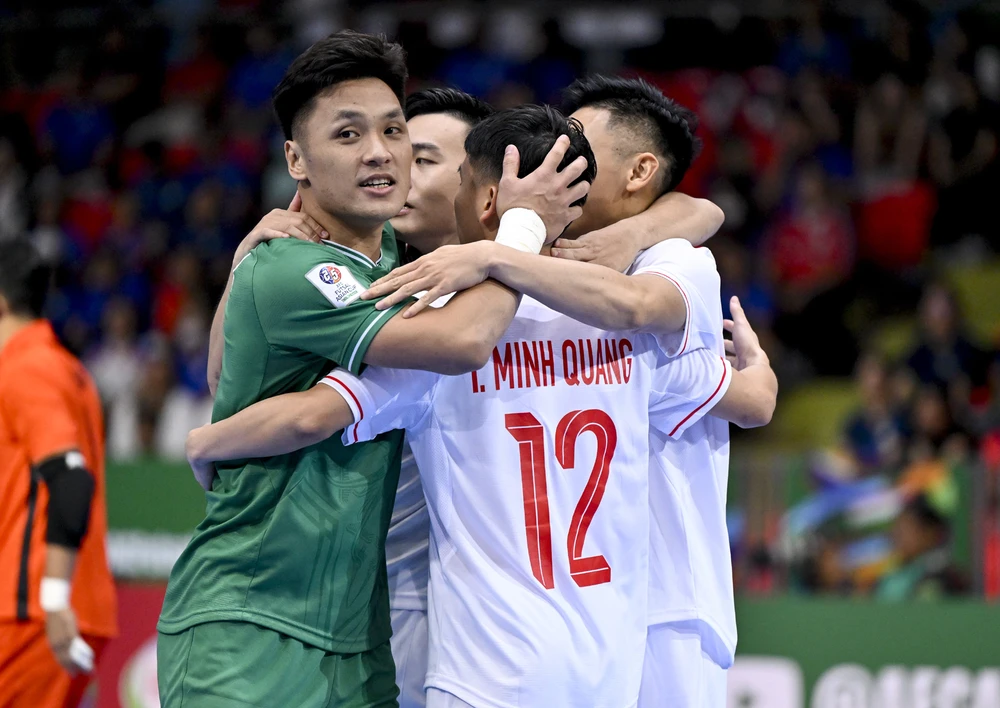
(406, 290)
(730, 347)
(387, 283)
(737, 309)
(296, 203)
(731, 358)
(302, 233)
(511, 163)
(571, 254)
(568, 243)
(421, 304)
(556, 154)
(572, 171)
(727, 325)
(266, 234)
(318, 231)
(577, 192)
(574, 213)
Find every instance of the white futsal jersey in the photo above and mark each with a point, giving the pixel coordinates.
(406, 544)
(536, 479)
(691, 574)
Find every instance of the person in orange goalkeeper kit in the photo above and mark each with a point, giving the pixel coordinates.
(57, 598)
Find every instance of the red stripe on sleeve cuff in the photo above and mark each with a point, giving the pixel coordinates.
(357, 402)
(725, 372)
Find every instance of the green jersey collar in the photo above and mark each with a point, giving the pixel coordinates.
(355, 255)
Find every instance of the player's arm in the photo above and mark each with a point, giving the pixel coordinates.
(673, 215)
(460, 336)
(274, 426)
(752, 395)
(53, 439)
(279, 223)
(592, 294)
(381, 400)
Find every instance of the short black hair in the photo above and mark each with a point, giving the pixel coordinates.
(342, 56)
(24, 278)
(642, 108)
(533, 130)
(458, 104)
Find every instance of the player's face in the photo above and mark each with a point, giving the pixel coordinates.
(474, 199)
(609, 186)
(354, 153)
(438, 150)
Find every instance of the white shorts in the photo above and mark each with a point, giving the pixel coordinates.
(677, 672)
(436, 698)
(409, 651)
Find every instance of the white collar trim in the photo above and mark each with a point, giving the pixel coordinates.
(356, 255)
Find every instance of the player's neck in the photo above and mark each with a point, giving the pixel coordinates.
(365, 239)
(11, 325)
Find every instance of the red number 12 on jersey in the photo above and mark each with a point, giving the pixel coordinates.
(530, 436)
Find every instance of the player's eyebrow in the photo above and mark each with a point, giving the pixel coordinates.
(348, 114)
(426, 147)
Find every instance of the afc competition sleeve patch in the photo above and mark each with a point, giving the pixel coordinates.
(336, 283)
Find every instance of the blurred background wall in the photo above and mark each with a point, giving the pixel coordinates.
(853, 147)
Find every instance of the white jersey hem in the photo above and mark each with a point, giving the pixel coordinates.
(668, 616)
(473, 697)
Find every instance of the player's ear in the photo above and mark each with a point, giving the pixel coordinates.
(645, 168)
(296, 161)
(488, 215)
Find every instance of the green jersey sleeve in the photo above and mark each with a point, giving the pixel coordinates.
(309, 298)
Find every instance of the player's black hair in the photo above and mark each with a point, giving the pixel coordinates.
(342, 56)
(24, 278)
(458, 104)
(533, 130)
(642, 109)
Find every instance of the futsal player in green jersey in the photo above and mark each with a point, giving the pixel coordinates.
(280, 598)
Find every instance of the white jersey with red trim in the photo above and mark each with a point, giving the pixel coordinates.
(535, 471)
(691, 575)
(406, 544)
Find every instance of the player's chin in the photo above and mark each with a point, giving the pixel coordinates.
(377, 212)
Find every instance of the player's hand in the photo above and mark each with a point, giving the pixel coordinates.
(72, 653)
(204, 470)
(547, 190)
(446, 270)
(744, 348)
(614, 246)
(281, 223)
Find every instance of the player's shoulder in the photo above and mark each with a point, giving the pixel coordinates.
(679, 259)
(676, 251)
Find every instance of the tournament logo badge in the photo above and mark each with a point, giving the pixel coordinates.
(336, 283)
(329, 275)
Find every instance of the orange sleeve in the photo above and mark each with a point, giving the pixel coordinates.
(38, 410)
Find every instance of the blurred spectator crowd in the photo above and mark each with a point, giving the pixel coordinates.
(855, 155)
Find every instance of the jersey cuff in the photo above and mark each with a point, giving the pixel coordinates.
(368, 329)
(669, 343)
(353, 391)
(705, 407)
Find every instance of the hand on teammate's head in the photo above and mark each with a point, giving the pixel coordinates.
(548, 191)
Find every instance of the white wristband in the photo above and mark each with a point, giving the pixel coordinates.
(521, 229)
(54, 596)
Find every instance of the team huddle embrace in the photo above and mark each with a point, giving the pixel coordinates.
(472, 395)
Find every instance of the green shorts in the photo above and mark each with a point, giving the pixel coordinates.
(239, 665)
